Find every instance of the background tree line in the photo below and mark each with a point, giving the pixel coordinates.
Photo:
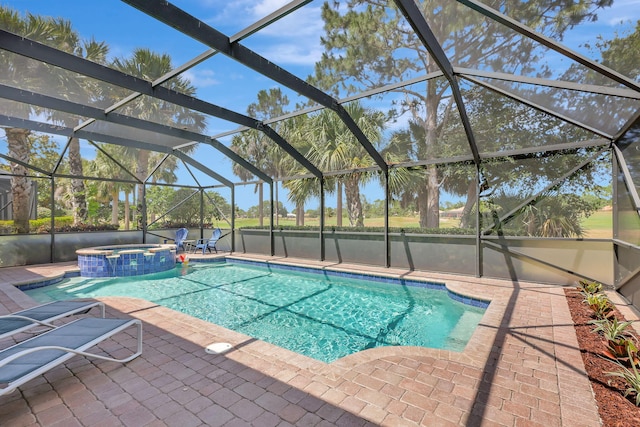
(353, 61)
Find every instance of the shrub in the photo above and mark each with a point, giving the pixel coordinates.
(62, 224)
(44, 212)
(632, 378)
(600, 305)
(587, 287)
(619, 340)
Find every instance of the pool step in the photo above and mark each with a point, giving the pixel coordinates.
(460, 333)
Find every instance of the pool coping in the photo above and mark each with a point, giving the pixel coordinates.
(135, 248)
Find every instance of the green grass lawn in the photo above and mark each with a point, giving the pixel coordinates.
(598, 225)
(394, 221)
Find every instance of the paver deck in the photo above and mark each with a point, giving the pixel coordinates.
(522, 367)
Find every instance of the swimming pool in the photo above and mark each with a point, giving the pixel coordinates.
(319, 314)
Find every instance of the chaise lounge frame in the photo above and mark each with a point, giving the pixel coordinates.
(35, 356)
(43, 315)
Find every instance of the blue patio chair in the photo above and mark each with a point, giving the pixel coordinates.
(181, 236)
(210, 243)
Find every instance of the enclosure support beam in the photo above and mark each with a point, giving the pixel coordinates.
(26, 165)
(364, 94)
(174, 207)
(630, 137)
(156, 167)
(271, 210)
(628, 125)
(615, 173)
(513, 212)
(143, 212)
(202, 168)
(202, 213)
(45, 101)
(538, 107)
(479, 258)
(198, 30)
(423, 31)
(551, 44)
(628, 179)
(31, 49)
(387, 252)
(52, 255)
(322, 245)
(557, 84)
(233, 219)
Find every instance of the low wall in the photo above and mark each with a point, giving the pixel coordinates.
(28, 249)
(627, 273)
(558, 261)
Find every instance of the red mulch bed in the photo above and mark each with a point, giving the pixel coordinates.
(615, 410)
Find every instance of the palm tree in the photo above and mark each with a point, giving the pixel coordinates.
(254, 147)
(104, 167)
(82, 88)
(149, 65)
(300, 190)
(294, 130)
(165, 172)
(59, 34)
(20, 70)
(257, 148)
(411, 189)
(334, 147)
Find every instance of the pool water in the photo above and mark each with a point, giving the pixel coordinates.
(322, 316)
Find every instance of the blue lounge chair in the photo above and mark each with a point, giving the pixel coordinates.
(43, 315)
(181, 236)
(209, 244)
(35, 356)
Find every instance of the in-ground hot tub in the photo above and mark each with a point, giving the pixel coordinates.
(126, 260)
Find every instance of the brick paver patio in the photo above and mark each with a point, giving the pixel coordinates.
(521, 368)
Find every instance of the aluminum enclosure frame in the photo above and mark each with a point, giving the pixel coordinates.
(231, 47)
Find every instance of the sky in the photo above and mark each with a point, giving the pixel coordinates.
(293, 43)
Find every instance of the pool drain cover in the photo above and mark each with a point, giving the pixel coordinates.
(218, 348)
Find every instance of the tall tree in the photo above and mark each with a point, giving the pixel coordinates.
(367, 46)
(622, 53)
(300, 190)
(150, 65)
(17, 141)
(166, 172)
(102, 166)
(256, 147)
(335, 148)
(21, 71)
(85, 90)
(36, 76)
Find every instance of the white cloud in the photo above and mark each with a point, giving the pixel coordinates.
(621, 11)
(265, 7)
(292, 40)
(304, 23)
(284, 54)
(201, 78)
